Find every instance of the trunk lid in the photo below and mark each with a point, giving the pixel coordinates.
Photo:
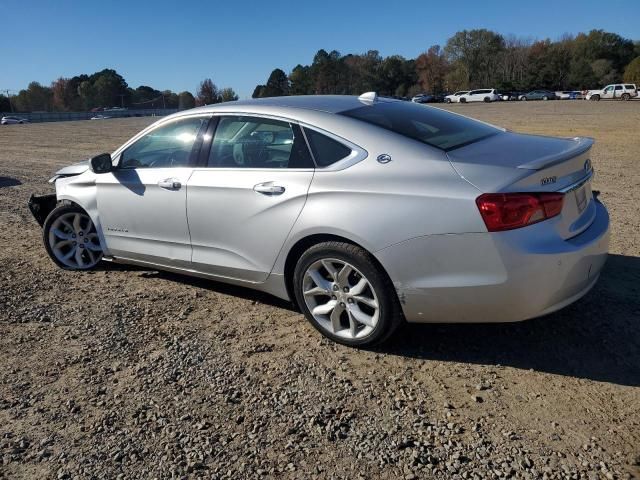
(511, 162)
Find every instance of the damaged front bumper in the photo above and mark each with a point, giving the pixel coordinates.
(41, 205)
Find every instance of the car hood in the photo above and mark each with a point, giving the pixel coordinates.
(75, 169)
(71, 170)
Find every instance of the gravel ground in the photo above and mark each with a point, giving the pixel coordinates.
(131, 373)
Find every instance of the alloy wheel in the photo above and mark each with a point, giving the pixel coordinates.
(74, 241)
(340, 298)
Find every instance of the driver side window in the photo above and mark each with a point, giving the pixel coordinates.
(168, 146)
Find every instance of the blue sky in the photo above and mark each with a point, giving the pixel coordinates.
(175, 44)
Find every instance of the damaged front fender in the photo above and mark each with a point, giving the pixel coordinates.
(41, 205)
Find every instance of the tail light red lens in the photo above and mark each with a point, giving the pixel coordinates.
(506, 211)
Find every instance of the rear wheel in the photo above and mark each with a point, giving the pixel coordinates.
(524, 99)
(545, 98)
(626, 96)
(345, 295)
(70, 238)
(447, 100)
(487, 99)
(463, 100)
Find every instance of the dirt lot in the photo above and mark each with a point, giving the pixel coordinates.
(128, 373)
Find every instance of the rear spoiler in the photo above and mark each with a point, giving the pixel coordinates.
(582, 144)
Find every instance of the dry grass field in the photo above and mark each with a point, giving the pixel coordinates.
(130, 373)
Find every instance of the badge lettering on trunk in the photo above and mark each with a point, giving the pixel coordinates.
(548, 180)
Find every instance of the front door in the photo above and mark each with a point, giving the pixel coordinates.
(142, 203)
(242, 205)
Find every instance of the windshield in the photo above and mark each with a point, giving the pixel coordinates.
(429, 125)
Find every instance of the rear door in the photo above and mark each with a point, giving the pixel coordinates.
(142, 203)
(246, 195)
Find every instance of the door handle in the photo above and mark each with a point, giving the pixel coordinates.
(170, 184)
(268, 188)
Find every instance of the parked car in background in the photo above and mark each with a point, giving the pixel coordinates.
(510, 96)
(12, 120)
(538, 95)
(254, 192)
(568, 95)
(455, 97)
(481, 95)
(100, 117)
(424, 98)
(619, 91)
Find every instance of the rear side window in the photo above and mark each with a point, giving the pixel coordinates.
(326, 150)
(429, 125)
(630, 87)
(253, 142)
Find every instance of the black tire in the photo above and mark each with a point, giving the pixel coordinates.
(487, 99)
(57, 212)
(390, 311)
(595, 98)
(447, 100)
(463, 100)
(626, 97)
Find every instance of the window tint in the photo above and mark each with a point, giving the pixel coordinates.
(429, 125)
(252, 142)
(165, 147)
(618, 87)
(630, 87)
(326, 151)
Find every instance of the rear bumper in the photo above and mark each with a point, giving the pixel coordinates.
(496, 277)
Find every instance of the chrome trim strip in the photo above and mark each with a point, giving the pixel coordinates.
(579, 183)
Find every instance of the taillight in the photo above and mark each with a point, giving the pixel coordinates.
(506, 211)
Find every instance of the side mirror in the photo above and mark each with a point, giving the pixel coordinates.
(101, 163)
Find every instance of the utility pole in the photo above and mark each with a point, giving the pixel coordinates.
(163, 105)
(9, 98)
(121, 95)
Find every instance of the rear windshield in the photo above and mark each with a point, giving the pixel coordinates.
(429, 125)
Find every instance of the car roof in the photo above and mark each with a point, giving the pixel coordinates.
(322, 103)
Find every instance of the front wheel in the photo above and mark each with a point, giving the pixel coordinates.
(447, 100)
(595, 98)
(545, 98)
(345, 295)
(524, 99)
(70, 238)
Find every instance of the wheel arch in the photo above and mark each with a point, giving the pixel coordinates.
(302, 244)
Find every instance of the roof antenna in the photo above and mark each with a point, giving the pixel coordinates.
(368, 97)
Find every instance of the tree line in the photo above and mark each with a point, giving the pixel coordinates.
(470, 59)
(108, 88)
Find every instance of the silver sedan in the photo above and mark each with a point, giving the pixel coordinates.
(364, 211)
